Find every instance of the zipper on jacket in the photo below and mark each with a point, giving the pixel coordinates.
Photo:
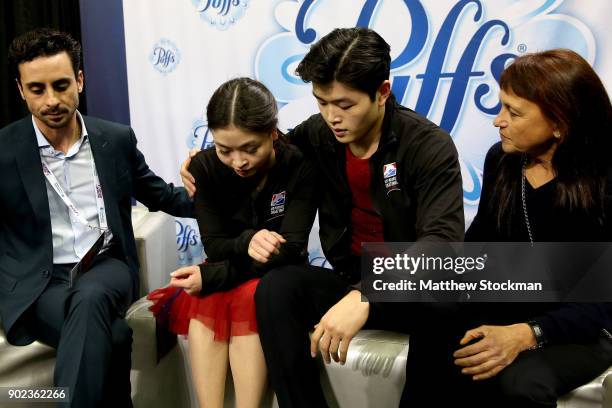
(338, 238)
(375, 164)
(340, 160)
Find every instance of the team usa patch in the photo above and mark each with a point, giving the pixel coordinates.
(390, 176)
(277, 205)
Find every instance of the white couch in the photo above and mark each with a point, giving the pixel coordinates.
(373, 376)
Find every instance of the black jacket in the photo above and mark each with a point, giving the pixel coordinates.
(229, 213)
(26, 248)
(426, 204)
(560, 322)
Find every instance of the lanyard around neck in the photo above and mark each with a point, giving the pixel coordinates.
(70, 204)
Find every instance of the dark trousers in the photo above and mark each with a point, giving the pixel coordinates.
(537, 378)
(85, 325)
(290, 300)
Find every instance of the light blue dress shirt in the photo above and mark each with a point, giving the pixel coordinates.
(74, 172)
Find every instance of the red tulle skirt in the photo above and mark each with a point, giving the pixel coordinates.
(227, 314)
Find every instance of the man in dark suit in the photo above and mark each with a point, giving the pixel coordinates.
(67, 180)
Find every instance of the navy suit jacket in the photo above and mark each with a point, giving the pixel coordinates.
(26, 249)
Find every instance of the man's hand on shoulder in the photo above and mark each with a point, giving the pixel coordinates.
(186, 176)
(338, 326)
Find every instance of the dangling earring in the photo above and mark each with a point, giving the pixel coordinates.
(557, 134)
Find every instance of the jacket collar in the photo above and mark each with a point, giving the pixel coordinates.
(387, 136)
(30, 170)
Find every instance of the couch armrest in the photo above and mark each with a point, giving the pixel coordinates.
(155, 234)
(607, 391)
(154, 384)
(374, 373)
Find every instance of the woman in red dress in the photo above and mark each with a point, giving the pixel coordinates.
(255, 205)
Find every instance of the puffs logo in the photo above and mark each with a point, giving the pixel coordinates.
(200, 136)
(447, 56)
(165, 56)
(221, 14)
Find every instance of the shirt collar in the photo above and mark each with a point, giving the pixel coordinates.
(43, 142)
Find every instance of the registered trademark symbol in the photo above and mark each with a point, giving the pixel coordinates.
(522, 48)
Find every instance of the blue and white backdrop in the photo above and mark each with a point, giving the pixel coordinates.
(446, 57)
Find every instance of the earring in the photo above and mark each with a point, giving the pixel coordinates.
(557, 134)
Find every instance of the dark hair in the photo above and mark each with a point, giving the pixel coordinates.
(43, 42)
(571, 95)
(244, 103)
(357, 57)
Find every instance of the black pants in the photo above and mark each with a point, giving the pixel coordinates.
(537, 378)
(85, 325)
(292, 299)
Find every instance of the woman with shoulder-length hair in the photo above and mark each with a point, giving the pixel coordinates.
(547, 180)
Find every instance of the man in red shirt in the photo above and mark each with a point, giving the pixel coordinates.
(386, 174)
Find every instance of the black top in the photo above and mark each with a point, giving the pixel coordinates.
(230, 212)
(549, 222)
(415, 183)
(560, 322)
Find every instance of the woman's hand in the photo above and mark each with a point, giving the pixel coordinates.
(186, 176)
(189, 278)
(265, 243)
(497, 348)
